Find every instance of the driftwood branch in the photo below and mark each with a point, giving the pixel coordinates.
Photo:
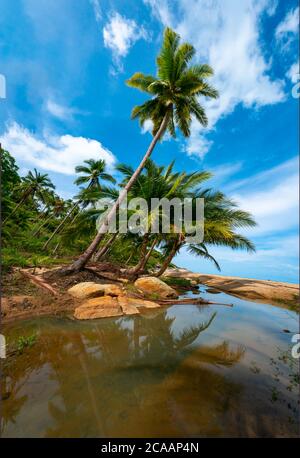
(197, 301)
(39, 282)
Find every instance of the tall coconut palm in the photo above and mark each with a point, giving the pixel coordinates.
(93, 171)
(58, 208)
(34, 184)
(174, 99)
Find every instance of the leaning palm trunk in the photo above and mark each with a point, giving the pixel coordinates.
(60, 226)
(104, 249)
(46, 221)
(24, 198)
(169, 258)
(56, 248)
(146, 259)
(143, 252)
(85, 257)
(43, 212)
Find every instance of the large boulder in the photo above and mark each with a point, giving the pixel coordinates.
(107, 306)
(153, 285)
(131, 305)
(99, 307)
(90, 289)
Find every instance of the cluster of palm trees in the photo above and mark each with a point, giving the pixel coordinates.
(222, 217)
(62, 221)
(174, 101)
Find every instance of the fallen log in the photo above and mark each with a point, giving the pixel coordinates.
(196, 301)
(39, 282)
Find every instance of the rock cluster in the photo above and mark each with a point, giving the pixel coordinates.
(109, 300)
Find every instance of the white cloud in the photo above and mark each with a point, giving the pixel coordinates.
(224, 171)
(97, 10)
(120, 34)
(275, 209)
(147, 127)
(289, 25)
(272, 198)
(197, 145)
(54, 153)
(161, 10)
(272, 7)
(293, 73)
(59, 111)
(225, 34)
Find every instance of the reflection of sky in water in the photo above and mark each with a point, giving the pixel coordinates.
(154, 375)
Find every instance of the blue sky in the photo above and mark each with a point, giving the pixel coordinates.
(65, 64)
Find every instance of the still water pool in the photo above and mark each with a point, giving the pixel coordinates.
(168, 373)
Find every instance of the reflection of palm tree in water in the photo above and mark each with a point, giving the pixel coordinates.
(106, 373)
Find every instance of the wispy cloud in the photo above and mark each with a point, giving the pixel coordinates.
(293, 72)
(272, 197)
(60, 111)
(51, 152)
(97, 9)
(289, 25)
(241, 71)
(120, 34)
(225, 171)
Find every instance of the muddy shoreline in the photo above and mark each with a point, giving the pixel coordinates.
(22, 299)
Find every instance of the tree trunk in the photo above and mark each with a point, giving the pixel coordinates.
(139, 266)
(42, 225)
(42, 213)
(169, 258)
(103, 250)
(129, 258)
(56, 248)
(85, 257)
(146, 259)
(16, 207)
(59, 226)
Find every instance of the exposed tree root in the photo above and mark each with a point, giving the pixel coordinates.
(37, 280)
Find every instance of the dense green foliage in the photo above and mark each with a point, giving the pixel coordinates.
(40, 228)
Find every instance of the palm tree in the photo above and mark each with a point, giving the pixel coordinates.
(93, 172)
(34, 184)
(58, 208)
(174, 99)
(160, 183)
(222, 218)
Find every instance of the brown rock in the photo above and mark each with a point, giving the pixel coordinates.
(112, 290)
(153, 285)
(88, 289)
(99, 307)
(136, 302)
(127, 307)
